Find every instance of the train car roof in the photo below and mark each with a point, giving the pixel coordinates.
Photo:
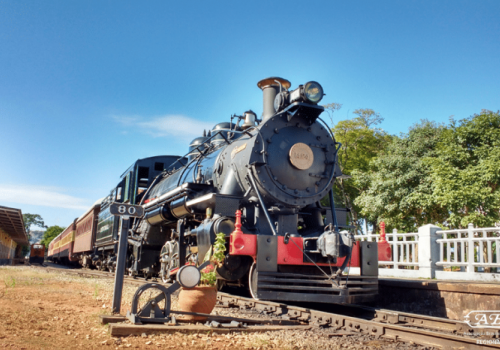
(59, 235)
(139, 160)
(97, 202)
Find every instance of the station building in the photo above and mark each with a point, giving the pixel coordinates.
(12, 235)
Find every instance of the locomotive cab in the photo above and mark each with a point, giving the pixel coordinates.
(132, 188)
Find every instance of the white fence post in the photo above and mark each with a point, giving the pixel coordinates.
(470, 249)
(395, 256)
(428, 250)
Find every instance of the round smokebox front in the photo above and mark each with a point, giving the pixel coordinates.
(300, 164)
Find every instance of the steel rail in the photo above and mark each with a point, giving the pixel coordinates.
(386, 323)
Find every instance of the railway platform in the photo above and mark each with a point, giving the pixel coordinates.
(439, 298)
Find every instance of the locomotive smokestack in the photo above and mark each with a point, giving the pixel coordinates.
(270, 88)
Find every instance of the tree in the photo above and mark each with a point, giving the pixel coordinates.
(360, 143)
(330, 109)
(50, 234)
(397, 189)
(466, 171)
(31, 220)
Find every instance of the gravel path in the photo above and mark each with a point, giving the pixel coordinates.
(54, 310)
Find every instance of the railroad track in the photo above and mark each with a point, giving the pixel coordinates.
(388, 324)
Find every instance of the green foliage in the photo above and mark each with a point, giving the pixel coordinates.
(361, 142)
(208, 276)
(397, 189)
(10, 282)
(216, 256)
(219, 248)
(466, 171)
(32, 220)
(445, 175)
(50, 234)
(330, 109)
(448, 176)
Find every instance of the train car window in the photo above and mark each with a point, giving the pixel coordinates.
(143, 173)
(159, 166)
(118, 194)
(112, 195)
(142, 183)
(127, 187)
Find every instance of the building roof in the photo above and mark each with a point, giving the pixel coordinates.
(11, 222)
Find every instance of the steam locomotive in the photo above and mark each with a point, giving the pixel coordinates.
(261, 184)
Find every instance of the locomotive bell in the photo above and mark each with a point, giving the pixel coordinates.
(249, 120)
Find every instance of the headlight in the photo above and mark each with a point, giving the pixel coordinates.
(188, 276)
(313, 91)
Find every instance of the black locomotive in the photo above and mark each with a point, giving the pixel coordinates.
(260, 182)
(275, 170)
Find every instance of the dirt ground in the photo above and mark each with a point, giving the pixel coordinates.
(53, 310)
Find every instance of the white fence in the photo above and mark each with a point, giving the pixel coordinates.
(435, 253)
(472, 250)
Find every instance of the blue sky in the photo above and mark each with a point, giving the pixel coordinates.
(88, 87)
